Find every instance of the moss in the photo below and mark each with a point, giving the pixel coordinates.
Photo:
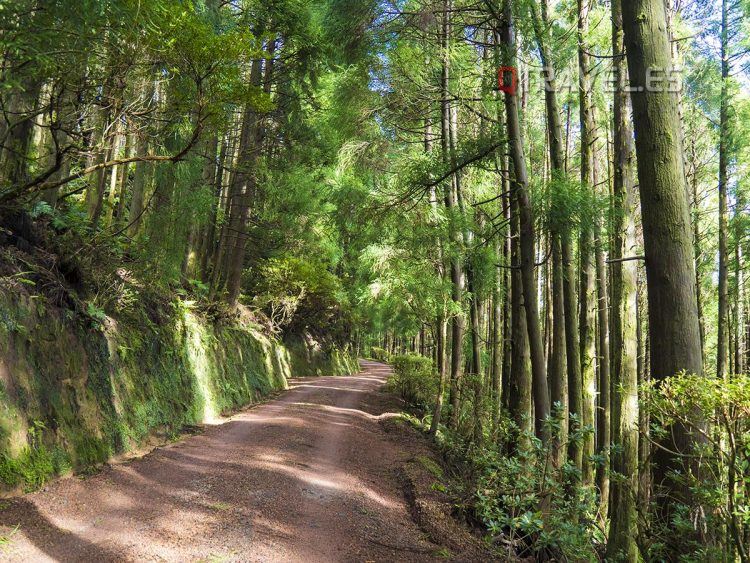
(89, 451)
(308, 360)
(8, 471)
(431, 466)
(33, 467)
(72, 396)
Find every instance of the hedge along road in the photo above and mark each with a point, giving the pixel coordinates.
(308, 477)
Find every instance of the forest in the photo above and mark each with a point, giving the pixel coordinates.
(536, 211)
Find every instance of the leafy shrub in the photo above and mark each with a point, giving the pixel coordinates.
(716, 470)
(380, 354)
(532, 507)
(530, 504)
(302, 297)
(415, 380)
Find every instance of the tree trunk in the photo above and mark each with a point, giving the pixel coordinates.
(624, 276)
(209, 238)
(441, 327)
(587, 312)
(442, 372)
(554, 130)
(497, 333)
(450, 198)
(670, 270)
(507, 295)
(520, 380)
(476, 357)
(242, 192)
(722, 342)
(603, 419)
(18, 129)
(697, 249)
(527, 238)
(739, 285)
(558, 376)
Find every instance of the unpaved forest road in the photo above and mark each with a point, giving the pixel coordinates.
(308, 477)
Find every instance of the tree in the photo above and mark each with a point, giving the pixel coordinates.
(526, 235)
(623, 522)
(672, 304)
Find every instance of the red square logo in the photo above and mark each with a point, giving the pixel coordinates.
(507, 79)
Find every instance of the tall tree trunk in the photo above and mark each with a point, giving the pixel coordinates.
(201, 236)
(242, 192)
(142, 169)
(108, 138)
(722, 342)
(441, 326)
(670, 270)
(114, 173)
(497, 333)
(122, 197)
(210, 231)
(113, 92)
(520, 380)
(18, 129)
(603, 419)
(558, 375)
(526, 235)
(476, 356)
(739, 288)
(554, 131)
(507, 297)
(501, 296)
(587, 312)
(222, 250)
(697, 249)
(451, 204)
(624, 275)
(66, 117)
(441, 337)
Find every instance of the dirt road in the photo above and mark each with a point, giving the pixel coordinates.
(307, 477)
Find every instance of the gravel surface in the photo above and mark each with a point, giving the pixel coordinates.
(310, 476)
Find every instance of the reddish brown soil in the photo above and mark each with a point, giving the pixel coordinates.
(311, 476)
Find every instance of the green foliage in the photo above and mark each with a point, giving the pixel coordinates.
(380, 354)
(527, 503)
(35, 464)
(302, 297)
(570, 205)
(716, 469)
(414, 379)
(96, 313)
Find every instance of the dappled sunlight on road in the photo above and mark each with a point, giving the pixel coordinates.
(305, 477)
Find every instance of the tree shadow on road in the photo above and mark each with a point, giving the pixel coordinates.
(55, 542)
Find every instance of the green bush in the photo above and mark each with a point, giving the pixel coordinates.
(380, 354)
(532, 507)
(415, 380)
(528, 503)
(716, 468)
(301, 296)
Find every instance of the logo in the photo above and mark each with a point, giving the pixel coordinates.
(507, 79)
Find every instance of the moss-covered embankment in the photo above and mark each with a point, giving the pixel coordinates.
(74, 392)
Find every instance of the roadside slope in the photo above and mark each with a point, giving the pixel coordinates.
(76, 391)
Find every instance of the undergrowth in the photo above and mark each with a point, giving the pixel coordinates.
(509, 482)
